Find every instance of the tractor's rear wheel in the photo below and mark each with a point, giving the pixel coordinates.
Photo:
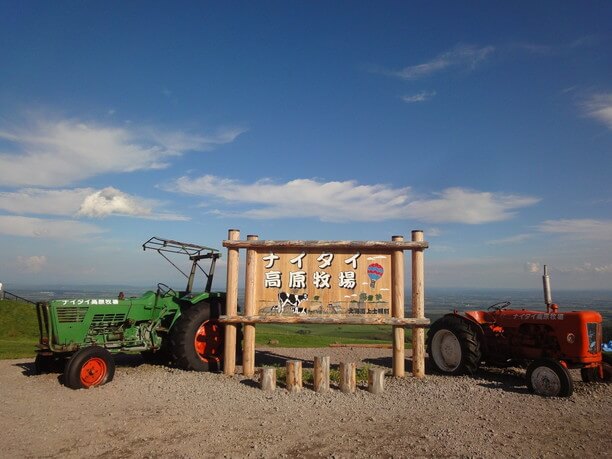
(453, 346)
(196, 339)
(549, 378)
(89, 367)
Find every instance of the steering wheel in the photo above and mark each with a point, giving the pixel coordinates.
(499, 306)
(164, 290)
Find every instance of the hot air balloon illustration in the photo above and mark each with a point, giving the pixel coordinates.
(375, 272)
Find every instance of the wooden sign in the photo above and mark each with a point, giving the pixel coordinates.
(323, 282)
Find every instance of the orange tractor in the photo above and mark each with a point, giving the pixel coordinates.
(551, 342)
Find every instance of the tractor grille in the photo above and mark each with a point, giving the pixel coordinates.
(71, 314)
(107, 320)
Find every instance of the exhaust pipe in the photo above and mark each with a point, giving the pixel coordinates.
(550, 306)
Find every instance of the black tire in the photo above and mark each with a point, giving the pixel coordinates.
(453, 346)
(549, 378)
(196, 339)
(89, 367)
(48, 364)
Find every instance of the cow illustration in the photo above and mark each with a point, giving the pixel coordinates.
(290, 299)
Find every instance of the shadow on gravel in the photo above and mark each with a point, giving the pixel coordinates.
(27, 368)
(387, 362)
(502, 379)
(250, 383)
(267, 358)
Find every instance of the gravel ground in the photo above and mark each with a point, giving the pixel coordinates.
(154, 411)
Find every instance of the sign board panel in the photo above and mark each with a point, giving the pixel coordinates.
(322, 282)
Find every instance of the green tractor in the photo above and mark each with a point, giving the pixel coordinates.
(81, 336)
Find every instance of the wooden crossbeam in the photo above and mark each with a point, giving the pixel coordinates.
(336, 319)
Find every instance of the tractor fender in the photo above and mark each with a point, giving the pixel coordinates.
(475, 324)
(194, 299)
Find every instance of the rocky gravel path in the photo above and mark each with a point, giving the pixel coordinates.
(154, 411)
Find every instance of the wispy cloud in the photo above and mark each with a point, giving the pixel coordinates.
(33, 264)
(533, 267)
(419, 97)
(510, 240)
(585, 229)
(350, 201)
(85, 202)
(586, 267)
(61, 152)
(11, 225)
(44, 202)
(599, 107)
(464, 57)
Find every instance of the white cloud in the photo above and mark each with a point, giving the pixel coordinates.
(111, 201)
(419, 97)
(33, 264)
(461, 56)
(349, 201)
(460, 205)
(56, 153)
(599, 107)
(87, 202)
(11, 225)
(585, 229)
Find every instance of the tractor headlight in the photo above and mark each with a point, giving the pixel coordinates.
(594, 342)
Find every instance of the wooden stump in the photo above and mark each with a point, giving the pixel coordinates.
(321, 374)
(376, 380)
(268, 379)
(294, 375)
(348, 377)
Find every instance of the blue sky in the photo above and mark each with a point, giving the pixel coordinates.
(486, 124)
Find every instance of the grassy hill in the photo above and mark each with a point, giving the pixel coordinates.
(18, 329)
(19, 332)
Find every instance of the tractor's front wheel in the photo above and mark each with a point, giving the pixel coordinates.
(196, 339)
(453, 346)
(89, 367)
(549, 378)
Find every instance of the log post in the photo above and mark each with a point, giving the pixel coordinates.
(418, 307)
(294, 375)
(376, 380)
(348, 377)
(229, 350)
(267, 380)
(321, 374)
(397, 307)
(248, 351)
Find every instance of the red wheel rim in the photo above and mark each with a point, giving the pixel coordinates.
(93, 372)
(207, 341)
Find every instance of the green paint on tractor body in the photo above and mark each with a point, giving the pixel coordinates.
(128, 325)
